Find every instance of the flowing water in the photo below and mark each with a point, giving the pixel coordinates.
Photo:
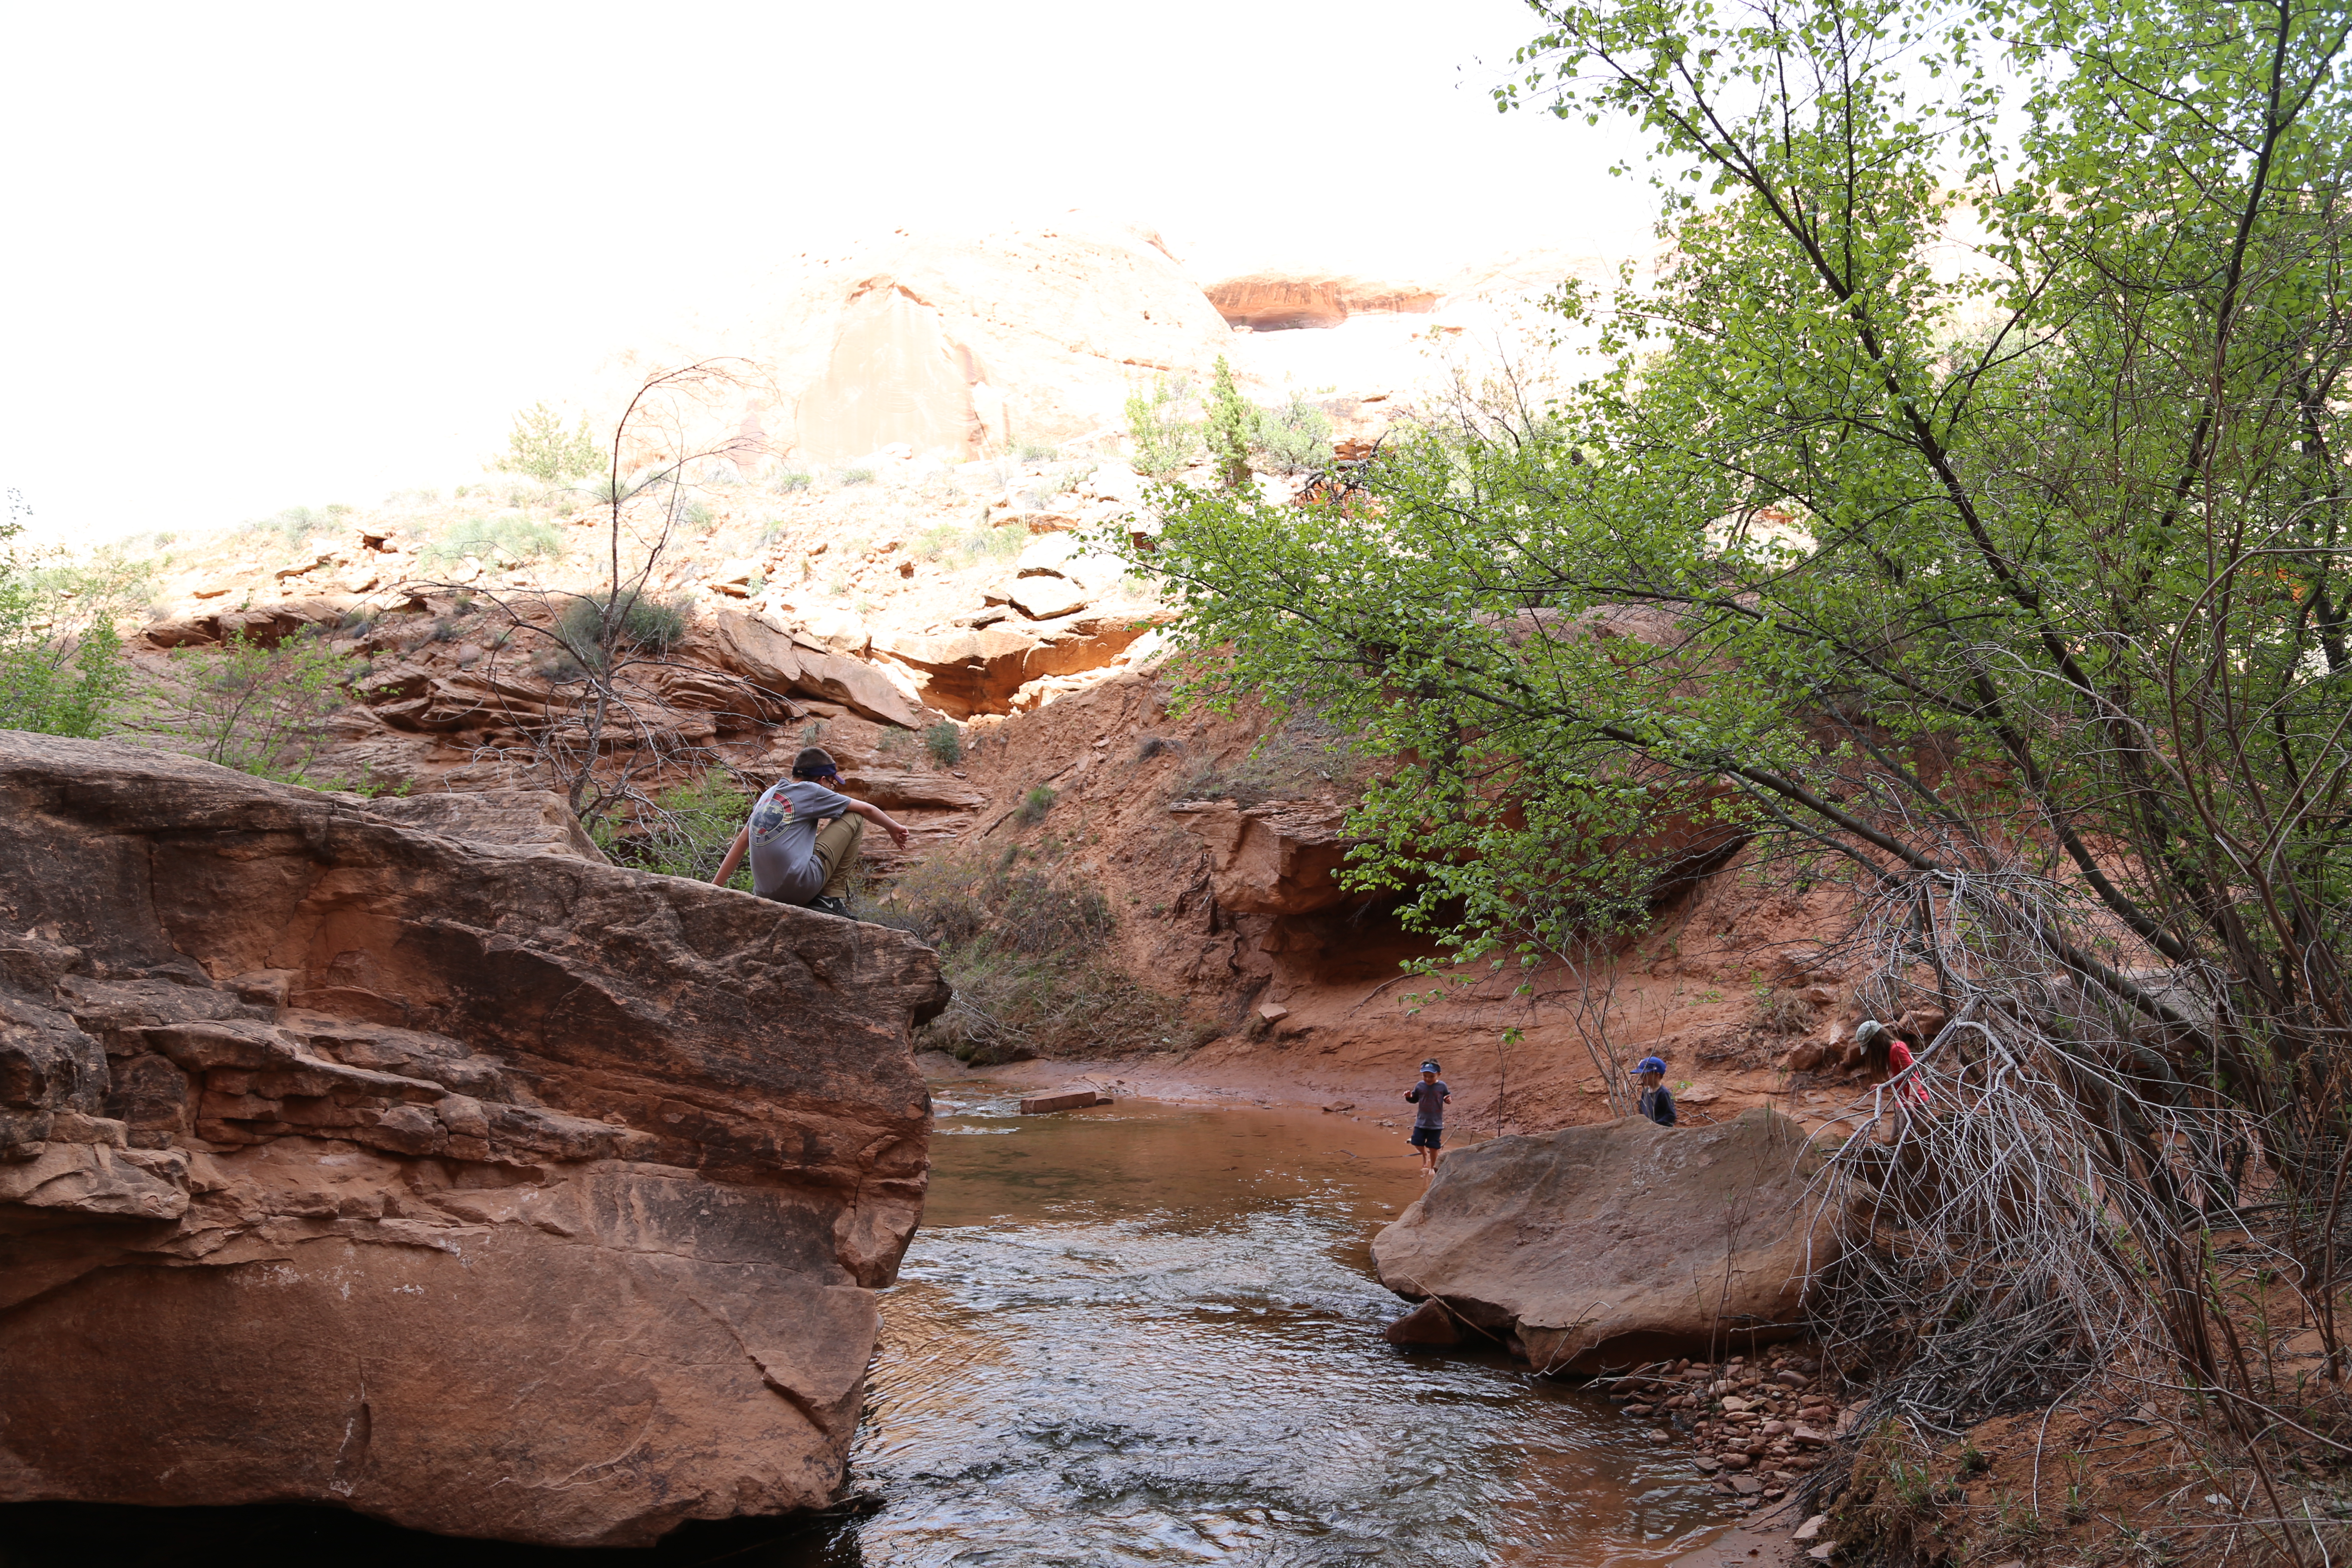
(1144, 1333)
(1149, 1333)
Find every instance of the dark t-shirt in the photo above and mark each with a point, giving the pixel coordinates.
(784, 839)
(1431, 1099)
(1658, 1106)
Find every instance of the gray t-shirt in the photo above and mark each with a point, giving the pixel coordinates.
(1430, 1097)
(784, 865)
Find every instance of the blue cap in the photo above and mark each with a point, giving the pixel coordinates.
(1650, 1064)
(1428, 1067)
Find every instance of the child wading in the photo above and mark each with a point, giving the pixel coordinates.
(1656, 1102)
(1429, 1096)
(804, 836)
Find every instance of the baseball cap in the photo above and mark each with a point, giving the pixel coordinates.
(1650, 1064)
(1428, 1067)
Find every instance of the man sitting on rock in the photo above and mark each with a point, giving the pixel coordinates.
(804, 836)
(1655, 1103)
(1429, 1096)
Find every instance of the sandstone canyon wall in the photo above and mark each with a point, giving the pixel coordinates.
(477, 1186)
(959, 345)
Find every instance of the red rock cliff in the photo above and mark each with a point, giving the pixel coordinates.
(487, 1189)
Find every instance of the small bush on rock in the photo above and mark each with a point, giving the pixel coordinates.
(945, 742)
(655, 625)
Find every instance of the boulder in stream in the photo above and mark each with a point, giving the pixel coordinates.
(477, 1186)
(1624, 1242)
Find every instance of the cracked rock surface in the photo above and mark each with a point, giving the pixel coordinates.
(472, 1185)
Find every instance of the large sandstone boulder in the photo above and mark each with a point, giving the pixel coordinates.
(1276, 858)
(1620, 1243)
(482, 1188)
(755, 648)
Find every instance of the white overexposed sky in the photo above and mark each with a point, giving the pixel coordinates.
(267, 255)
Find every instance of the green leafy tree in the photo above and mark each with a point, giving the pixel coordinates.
(2015, 587)
(540, 447)
(1231, 425)
(63, 670)
(264, 710)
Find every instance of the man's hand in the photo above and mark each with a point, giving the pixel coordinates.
(898, 834)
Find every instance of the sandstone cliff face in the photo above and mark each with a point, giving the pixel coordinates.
(1608, 1245)
(487, 1189)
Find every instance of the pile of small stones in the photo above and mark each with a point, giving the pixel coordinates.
(1759, 1423)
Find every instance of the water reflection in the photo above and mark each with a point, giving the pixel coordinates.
(1147, 1334)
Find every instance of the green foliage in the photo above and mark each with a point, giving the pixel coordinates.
(1165, 442)
(264, 711)
(857, 476)
(944, 741)
(589, 627)
(1892, 564)
(1033, 451)
(540, 447)
(1035, 806)
(696, 512)
(1231, 425)
(790, 479)
(63, 670)
(682, 832)
(1292, 439)
(509, 541)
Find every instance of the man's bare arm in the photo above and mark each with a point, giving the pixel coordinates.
(881, 820)
(734, 855)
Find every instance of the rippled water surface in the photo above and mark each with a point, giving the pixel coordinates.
(1149, 1333)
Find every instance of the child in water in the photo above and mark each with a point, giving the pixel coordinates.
(1429, 1096)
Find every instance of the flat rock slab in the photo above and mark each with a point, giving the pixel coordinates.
(1063, 1100)
(1624, 1242)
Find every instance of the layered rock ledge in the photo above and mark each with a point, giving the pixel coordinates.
(1623, 1242)
(482, 1187)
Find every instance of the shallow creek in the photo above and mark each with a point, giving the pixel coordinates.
(1149, 1333)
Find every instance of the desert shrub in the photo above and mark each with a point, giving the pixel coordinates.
(1231, 425)
(1033, 452)
(1785, 1012)
(695, 513)
(540, 447)
(857, 476)
(1164, 441)
(966, 544)
(1291, 439)
(263, 710)
(297, 523)
(63, 670)
(1035, 806)
(682, 832)
(1025, 947)
(945, 742)
(508, 541)
(790, 479)
(655, 625)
